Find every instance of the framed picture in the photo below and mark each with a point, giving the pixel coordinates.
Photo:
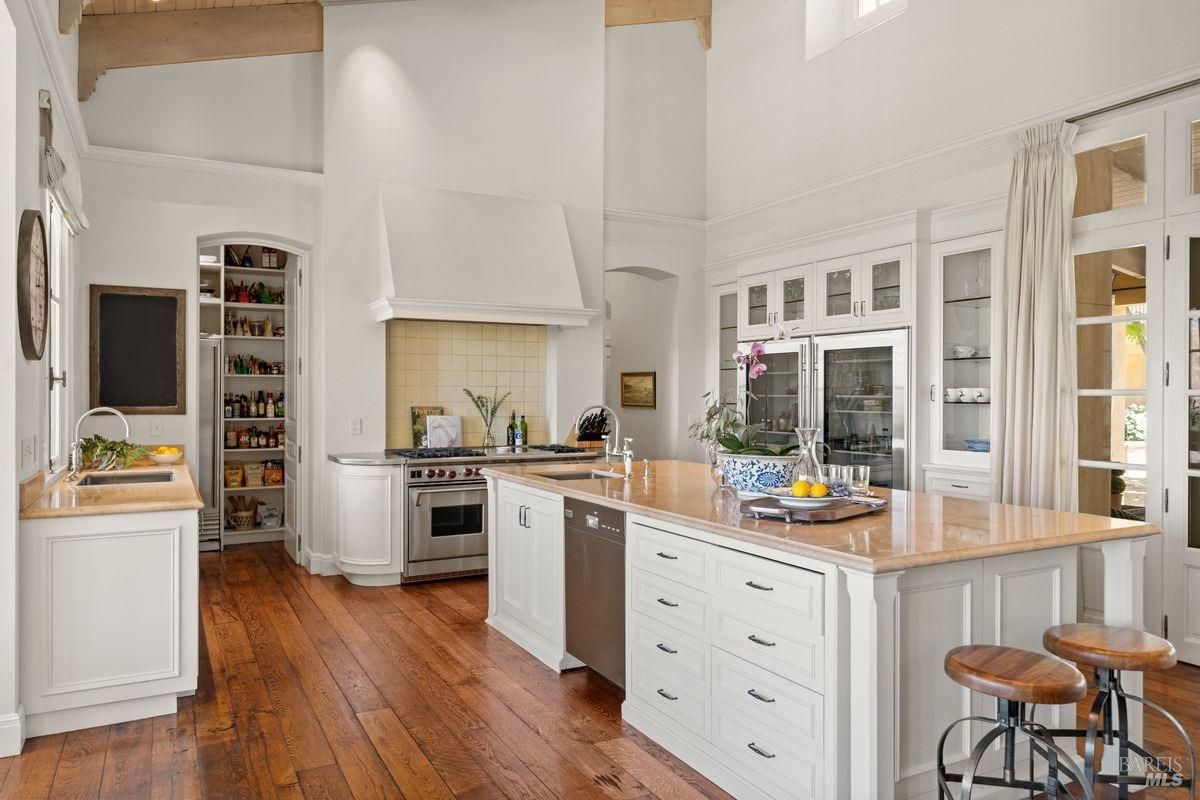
(419, 414)
(638, 390)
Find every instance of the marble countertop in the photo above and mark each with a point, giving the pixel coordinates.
(64, 498)
(383, 459)
(916, 530)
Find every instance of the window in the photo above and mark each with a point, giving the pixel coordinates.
(56, 342)
(864, 14)
(1111, 177)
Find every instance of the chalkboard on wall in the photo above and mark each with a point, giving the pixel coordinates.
(137, 349)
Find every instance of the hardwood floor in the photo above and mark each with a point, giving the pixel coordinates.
(313, 688)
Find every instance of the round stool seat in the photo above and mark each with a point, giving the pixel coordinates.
(1013, 674)
(1109, 647)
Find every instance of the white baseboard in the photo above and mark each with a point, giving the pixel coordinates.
(319, 563)
(74, 719)
(545, 652)
(12, 733)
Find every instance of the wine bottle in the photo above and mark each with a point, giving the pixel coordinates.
(271, 404)
(522, 432)
(511, 433)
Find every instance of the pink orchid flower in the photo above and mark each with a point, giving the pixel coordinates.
(739, 357)
(757, 369)
(758, 349)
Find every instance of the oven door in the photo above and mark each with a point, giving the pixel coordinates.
(446, 522)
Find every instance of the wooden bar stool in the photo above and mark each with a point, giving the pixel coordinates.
(1017, 679)
(1109, 650)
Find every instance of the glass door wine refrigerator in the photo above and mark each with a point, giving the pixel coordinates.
(854, 388)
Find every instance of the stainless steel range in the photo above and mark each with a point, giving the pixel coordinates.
(445, 524)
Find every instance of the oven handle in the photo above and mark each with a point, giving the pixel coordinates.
(420, 490)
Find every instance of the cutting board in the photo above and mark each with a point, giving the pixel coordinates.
(839, 509)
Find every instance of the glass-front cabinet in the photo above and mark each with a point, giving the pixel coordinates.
(727, 342)
(774, 400)
(868, 289)
(773, 301)
(961, 394)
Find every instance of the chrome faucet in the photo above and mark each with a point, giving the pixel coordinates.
(626, 453)
(76, 445)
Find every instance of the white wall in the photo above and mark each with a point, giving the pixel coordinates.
(655, 99)
(472, 95)
(145, 223)
(654, 119)
(940, 72)
(265, 111)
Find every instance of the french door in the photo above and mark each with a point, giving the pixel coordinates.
(1181, 529)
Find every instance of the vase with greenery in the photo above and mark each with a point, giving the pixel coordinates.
(488, 407)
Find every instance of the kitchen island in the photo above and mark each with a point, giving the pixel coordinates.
(109, 587)
(803, 660)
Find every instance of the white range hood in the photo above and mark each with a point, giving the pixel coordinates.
(476, 258)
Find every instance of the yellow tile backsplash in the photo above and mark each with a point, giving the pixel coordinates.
(430, 363)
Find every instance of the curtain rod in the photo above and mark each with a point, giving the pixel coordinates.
(1135, 100)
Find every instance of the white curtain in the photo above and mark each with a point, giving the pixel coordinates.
(1034, 449)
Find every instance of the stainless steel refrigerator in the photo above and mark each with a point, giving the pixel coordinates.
(210, 431)
(853, 387)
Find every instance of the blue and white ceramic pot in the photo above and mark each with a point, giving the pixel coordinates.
(751, 474)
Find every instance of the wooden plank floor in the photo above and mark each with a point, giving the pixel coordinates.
(313, 688)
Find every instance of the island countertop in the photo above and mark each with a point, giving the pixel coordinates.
(64, 498)
(915, 530)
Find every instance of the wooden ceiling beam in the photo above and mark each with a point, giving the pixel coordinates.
(641, 12)
(112, 41)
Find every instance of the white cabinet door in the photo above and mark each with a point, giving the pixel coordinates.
(886, 285)
(512, 564)
(756, 307)
(838, 293)
(368, 520)
(794, 299)
(544, 566)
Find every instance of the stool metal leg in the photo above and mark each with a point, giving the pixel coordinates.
(977, 754)
(1187, 742)
(944, 792)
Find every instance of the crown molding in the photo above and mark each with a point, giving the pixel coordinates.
(967, 219)
(981, 141)
(650, 218)
(118, 155)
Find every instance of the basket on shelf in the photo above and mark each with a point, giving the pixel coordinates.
(241, 520)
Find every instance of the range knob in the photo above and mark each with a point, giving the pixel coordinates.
(441, 473)
(471, 471)
(429, 473)
(453, 474)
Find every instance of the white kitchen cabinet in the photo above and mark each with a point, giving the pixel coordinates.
(868, 289)
(774, 300)
(962, 277)
(368, 515)
(525, 561)
(109, 618)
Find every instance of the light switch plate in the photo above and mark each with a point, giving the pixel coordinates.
(156, 427)
(356, 426)
(28, 446)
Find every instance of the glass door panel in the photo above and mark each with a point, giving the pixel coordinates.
(773, 399)
(757, 304)
(885, 286)
(1111, 177)
(756, 307)
(839, 293)
(793, 296)
(966, 351)
(727, 330)
(838, 287)
(861, 391)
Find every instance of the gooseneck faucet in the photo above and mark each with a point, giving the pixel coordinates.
(76, 445)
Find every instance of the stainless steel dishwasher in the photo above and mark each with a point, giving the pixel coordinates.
(595, 578)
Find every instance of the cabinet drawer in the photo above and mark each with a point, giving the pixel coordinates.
(676, 557)
(682, 699)
(668, 651)
(970, 488)
(681, 607)
(771, 760)
(768, 699)
(796, 594)
(762, 640)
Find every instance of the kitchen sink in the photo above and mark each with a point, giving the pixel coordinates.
(589, 475)
(125, 478)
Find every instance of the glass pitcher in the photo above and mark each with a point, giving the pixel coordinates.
(808, 467)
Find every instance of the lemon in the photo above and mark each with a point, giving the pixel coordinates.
(800, 489)
(818, 490)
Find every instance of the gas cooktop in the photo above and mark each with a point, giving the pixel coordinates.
(435, 452)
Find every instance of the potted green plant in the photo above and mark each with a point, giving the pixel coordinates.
(1116, 488)
(488, 408)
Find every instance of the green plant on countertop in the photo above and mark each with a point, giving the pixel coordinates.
(742, 443)
(104, 454)
(722, 429)
(488, 408)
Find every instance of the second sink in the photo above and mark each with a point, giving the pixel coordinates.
(125, 478)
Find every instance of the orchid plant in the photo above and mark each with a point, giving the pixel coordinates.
(724, 427)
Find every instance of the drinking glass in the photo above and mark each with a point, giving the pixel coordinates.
(832, 473)
(860, 478)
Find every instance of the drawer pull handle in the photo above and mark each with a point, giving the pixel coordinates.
(758, 640)
(959, 486)
(668, 695)
(668, 603)
(667, 556)
(666, 649)
(762, 698)
(760, 751)
(760, 587)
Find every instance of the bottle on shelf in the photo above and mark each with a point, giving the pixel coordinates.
(228, 405)
(279, 409)
(511, 433)
(271, 404)
(522, 433)
(262, 404)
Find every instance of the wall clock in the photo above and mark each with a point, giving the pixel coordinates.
(33, 284)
